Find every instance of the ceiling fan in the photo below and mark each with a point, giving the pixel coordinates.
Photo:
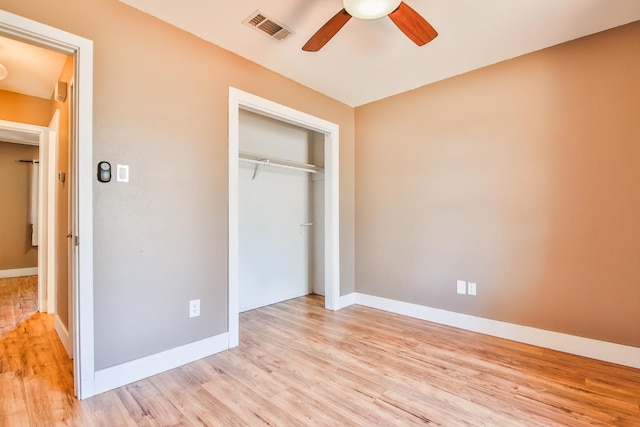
(408, 20)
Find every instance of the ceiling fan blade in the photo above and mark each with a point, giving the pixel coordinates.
(327, 31)
(413, 25)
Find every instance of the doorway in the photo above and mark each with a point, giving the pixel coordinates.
(29, 156)
(281, 186)
(240, 100)
(81, 289)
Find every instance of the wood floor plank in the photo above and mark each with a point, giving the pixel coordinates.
(247, 406)
(347, 396)
(13, 404)
(149, 406)
(184, 387)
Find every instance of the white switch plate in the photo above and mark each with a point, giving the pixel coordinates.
(122, 173)
(462, 287)
(471, 288)
(194, 308)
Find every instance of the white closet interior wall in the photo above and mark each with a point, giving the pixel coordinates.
(281, 214)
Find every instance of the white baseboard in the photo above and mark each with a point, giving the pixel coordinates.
(129, 372)
(19, 272)
(347, 300)
(595, 349)
(63, 334)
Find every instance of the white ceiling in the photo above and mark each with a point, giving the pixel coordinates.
(370, 60)
(32, 70)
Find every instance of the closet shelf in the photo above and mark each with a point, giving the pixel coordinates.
(260, 160)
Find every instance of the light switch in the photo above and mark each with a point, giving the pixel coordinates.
(122, 173)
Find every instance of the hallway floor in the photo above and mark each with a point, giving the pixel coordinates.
(36, 375)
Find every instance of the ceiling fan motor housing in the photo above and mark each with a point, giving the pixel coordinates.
(370, 9)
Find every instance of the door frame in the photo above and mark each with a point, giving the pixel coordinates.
(240, 100)
(52, 237)
(32, 32)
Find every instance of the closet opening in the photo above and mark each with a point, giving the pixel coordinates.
(281, 189)
(283, 206)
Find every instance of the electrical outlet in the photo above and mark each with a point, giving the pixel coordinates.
(471, 288)
(194, 308)
(462, 287)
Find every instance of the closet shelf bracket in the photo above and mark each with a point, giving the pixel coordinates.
(257, 167)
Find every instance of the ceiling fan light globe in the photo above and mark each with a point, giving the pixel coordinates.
(370, 9)
(3, 72)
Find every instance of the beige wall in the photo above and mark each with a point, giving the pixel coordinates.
(522, 177)
(63, 225)
(16, 250)
(160, 106)
(15, 107)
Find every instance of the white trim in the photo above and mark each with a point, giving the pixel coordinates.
(347, 300)
(53, 134)
(126, 373)
(242, 100)
(46, 232)
(33, 32)
(587, 347)
(18, 272)
(332, 218)
(83, 287)
(233, 266)
(63, 334)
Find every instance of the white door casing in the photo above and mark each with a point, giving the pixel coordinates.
(52, 161)
(39, 34)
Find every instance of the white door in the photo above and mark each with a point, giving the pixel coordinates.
(72, 220)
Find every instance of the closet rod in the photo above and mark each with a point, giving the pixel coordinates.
(28, 161)
(267, 162)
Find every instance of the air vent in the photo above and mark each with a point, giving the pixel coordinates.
(267, 26)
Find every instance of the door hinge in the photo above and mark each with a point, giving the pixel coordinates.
(76, 240)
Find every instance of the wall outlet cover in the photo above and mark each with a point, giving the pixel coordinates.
(461, 287)
(194, 308)
(471, 288)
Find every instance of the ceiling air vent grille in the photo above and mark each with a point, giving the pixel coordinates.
(259, 21)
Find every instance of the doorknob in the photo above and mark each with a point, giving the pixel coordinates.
(69, 235)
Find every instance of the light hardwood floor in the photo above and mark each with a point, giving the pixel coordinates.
(36, 375)
(298, 364)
